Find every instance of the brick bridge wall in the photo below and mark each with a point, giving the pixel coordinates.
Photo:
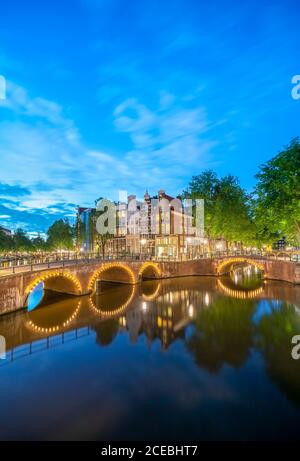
(80, 279)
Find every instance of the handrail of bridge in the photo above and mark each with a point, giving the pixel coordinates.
(30, 263)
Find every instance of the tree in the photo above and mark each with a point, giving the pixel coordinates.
(100, 239)
(6, 242)
(277, 205)
(60, 235)
(21, 242)
(226, 206)
(38, 243)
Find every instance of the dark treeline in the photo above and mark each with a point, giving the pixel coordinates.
(59, 236)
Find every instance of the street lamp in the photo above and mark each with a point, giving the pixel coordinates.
(142, 242)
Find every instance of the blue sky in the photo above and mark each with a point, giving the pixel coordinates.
(108, 95)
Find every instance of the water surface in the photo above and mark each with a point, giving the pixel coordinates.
(180, 359)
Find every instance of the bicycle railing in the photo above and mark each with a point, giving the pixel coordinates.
(29, 264)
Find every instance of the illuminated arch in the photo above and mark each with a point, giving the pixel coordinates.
(43, 277)
(239, 294)
(55, 328)
(150, 265)
(111, 313)
(106, 267)
(229, 261)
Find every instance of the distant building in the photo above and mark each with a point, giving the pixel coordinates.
(6, 231)
(157, 226)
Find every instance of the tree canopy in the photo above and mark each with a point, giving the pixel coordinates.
(60, 236)
(227, 211)
(277, 201)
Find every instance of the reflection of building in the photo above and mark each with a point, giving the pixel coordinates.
(164, 318)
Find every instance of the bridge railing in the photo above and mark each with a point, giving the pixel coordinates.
(30, 263)
(42, 344)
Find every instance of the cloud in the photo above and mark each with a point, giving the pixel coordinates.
(47, 165)
(167, 143)
(13, 190)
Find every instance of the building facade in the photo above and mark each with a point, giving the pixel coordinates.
(157, 226)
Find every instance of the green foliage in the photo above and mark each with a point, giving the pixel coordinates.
(21, 242)
(227, 211)
(6, 242)
(60, 235)
(277, 204)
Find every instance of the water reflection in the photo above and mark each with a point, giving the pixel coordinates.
(36, 296)
(217, 324)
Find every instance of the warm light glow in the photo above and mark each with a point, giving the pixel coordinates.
(110, 313)
(228, 261)
(239, 294)
(55, 328)
(105, 267)
(51, 274)
(206, 299)
(154, 266)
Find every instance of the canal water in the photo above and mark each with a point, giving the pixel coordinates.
(194, 358)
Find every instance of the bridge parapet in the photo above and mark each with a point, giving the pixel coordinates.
(79, 279)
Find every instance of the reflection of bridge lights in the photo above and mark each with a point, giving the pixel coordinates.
(144, 306)
(236, 279)
(206, 299)
(154, 295)
(191, 310)
(239, 294)
(109, 313)
(55, 328)
(122, 321)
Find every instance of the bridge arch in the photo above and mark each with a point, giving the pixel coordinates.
(60, 281)
(227, 262)
(149, 270)
(109, 269)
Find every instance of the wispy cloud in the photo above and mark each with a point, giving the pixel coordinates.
(47, 165)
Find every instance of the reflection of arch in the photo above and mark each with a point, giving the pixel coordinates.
(229, 261)
(149, 270)
(30, 324)
(44, 277)
(106, 267)
(111, 313)
(239, 294)
(152, 295)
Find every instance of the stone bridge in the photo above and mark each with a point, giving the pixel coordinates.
(81, 279)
